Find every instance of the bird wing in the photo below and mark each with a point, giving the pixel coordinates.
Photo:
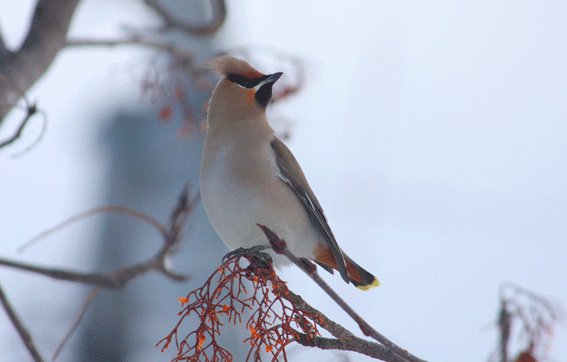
(292, 175)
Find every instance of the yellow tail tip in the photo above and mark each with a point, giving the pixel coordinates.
(375, 283)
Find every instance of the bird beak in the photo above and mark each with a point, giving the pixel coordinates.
(273, 78)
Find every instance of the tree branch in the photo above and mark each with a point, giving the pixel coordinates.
(367, 348)
(134, 39)
(30, 111)
(119, 278)
(19, 70)
(97, 210)
(280, 247)
(344, 339)
(87, 302)
(180, 56)
(22, 331)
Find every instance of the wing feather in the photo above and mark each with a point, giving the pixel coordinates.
(292, 175)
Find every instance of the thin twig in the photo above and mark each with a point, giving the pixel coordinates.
(554, 311)
(24, 334)
(523, 312)
(182, 57)
(97, 210)
(115, 280)
(280, 247)
(72, 276)
(88, 300)
(120, 277)
(30, 111)
(134, 39)
(38, 139)
(171, 237)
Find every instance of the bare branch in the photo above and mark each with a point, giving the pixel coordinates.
(30, 111)
(182, 57)
(526, 314)
(279, 316)
(88, 300)
(38, 139)
(22, 68)
(370, 349)
(120, 277)
(218, 8)
(134, 39)
(97, 210)
(345, 340)
(280, 247)
(114, 280)
(91, 279)
(24, 334)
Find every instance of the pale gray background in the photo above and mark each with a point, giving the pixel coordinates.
(434, 135)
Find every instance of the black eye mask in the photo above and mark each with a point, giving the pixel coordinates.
(246, 82)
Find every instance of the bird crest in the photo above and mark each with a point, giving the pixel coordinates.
(225, 65)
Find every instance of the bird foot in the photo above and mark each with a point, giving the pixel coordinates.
(260, 262)
(255, 251)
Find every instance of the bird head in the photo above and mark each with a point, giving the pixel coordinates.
(243, 93)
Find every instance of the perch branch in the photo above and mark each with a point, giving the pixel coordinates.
(344, 340)
(280, 247)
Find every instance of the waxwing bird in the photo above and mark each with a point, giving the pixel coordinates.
(249, 177)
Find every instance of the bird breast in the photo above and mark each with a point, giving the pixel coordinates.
(240, 192)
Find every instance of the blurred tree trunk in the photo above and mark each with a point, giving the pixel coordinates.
(150, 166)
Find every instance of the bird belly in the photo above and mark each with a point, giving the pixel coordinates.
(235, 207)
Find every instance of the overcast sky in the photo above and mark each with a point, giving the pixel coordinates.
(434, 135)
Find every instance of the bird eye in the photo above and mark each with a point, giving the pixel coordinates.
(238, 79)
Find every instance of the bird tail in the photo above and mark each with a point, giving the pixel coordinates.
(358, 276)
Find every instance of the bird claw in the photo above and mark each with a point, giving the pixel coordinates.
(260, 262)
(255, 251)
